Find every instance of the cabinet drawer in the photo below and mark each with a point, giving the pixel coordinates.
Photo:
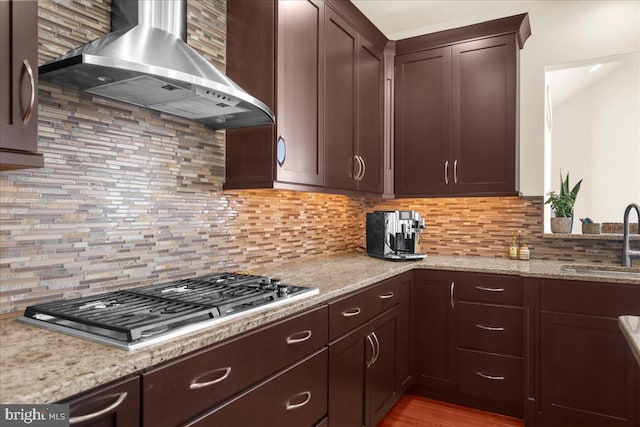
(498, 378)
(490, 288)
(296, 397)
(591, 298)
(174, 393)
(116, 404)
(491, 328)
(348, 313)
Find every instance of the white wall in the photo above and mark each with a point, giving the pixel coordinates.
(565, 31)
(562, 31)
(596, 136)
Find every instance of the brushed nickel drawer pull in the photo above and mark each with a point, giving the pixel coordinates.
(307, 399)
(489, 377)
(32, 97)
(302, 336)
(490, 328)
(195, 385)
(351, 312)
(484, 288)
(386, 296)
(364, 168)
(82, 418)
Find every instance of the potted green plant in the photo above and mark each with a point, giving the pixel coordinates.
(562, 205)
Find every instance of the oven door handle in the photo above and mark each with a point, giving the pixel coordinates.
(92, 416)
(195, 385)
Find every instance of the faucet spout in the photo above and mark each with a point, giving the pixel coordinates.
(627, 253)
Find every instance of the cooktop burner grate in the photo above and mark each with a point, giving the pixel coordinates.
(122, 313)
(135, 317)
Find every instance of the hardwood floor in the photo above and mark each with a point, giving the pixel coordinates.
(416, 411)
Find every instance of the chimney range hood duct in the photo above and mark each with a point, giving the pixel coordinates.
(146, 61)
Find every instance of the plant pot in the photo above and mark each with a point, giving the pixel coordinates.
(593, 228)
(561, 224)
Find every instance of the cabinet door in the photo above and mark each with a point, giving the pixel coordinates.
(434, 323)
(586, 372)
(422, 123)
(300, 90)
(403, 340)
(18, 84)
(484, 116)
(114, 405)
(340, 103)
(347, 364)
(380, 376)
(370, 104)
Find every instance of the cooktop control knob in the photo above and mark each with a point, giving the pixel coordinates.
(283, 290)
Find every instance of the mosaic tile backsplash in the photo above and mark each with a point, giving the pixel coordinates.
(133, 197)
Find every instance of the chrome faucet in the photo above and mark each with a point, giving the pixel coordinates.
(627, 253)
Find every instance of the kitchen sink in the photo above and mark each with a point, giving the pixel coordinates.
(600, 269)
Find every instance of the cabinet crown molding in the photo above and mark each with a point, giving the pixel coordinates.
(518, 24)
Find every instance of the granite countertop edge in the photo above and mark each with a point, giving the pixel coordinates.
(630, 326)
(39, 366)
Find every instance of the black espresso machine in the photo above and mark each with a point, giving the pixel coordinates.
(393, 235)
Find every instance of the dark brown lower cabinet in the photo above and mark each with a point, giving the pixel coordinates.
(296, 397)
(404, 356)
(434, 326)
(109, 406)
(587, 373)
(362, 366)
(468, 337)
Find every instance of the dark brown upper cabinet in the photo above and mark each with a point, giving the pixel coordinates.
(353, 109)
(456, 121)
(310, 62)
(19, 85)
(275, 50)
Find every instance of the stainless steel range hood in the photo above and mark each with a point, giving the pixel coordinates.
(146, 61)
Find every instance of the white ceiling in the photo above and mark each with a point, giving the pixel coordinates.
(399, 19)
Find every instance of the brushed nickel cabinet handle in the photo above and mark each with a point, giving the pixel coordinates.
(386, 296)
(97, 414)
(364, 168)
(490, 328)
(446, 172)
(489, 377)
(377, 348)
(307, 399)
(373, 351)
(32, 99)
(351, 312)
(453, 286)
(301, 336)
(356, 173)
(195, 385)
(455, 171)
(484, 288)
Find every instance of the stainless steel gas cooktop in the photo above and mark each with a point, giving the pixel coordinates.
(137, 317)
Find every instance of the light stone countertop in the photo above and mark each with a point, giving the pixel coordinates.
(630, 326)
(39, 366)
